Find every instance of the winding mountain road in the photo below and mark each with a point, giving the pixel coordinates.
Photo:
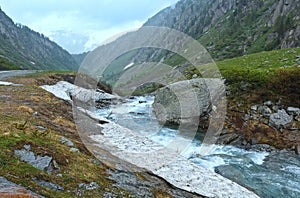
(12, 73)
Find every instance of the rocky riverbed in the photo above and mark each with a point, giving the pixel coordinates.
(131, 147)
(235, 163)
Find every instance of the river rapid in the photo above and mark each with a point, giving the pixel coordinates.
(268, 174)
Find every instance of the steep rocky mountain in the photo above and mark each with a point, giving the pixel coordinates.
(23, 48)
(226, 28)
(230, 28)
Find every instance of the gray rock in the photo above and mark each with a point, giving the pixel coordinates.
(182, 101)
(254, 117)
(280, 119)
(244, 143)
(264, 120)
(297, 149)
(275, 108)
(109, 195)
(25, 155)
(260, 108)
(49, 185)
(262, 147)
(66, 142)
(41, 128)
(9, 186)
(228, 170)
(39, 162)
(253, 141)
(90, 186)
(232, 139)
(27, 147)
(97, 162)
(254, 108)
(268, 103)
(35, 114)
(293, 111)
(265, 111)
(74, 150)
(55, 164)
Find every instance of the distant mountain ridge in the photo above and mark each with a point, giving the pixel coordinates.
(80, 57)
(23, 48)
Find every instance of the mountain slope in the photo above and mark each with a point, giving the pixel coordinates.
(22, 48)
(226, 28)
(80, 57)
(230, 28)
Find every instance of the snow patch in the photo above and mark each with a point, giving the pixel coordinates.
(9, 84)
(66, 90)
(128, 66)
(166, 163)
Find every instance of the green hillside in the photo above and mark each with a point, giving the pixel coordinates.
(264, 76)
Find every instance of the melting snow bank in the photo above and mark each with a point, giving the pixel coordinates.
(166, 163)
(67, 91)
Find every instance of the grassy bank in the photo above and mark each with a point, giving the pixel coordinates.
(31, 116)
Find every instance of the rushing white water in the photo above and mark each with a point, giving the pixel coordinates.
(265, 173)
(137, 115)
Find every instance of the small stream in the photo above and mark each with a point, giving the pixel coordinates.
(275, 174)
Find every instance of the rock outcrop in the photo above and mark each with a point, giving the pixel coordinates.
(223, 26)
(43, 163)
(280, 119)
(192, 103)
(182, 102)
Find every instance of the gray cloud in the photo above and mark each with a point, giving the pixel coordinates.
(80, 25)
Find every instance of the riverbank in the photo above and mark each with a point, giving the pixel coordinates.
(111, 160)
(35, 122)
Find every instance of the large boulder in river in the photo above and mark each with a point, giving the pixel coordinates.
(185, 101)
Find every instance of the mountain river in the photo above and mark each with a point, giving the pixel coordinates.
(268, 174)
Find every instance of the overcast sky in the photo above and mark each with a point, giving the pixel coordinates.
(81, 25)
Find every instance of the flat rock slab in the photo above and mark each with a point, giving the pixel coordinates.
(40, 162)
(9, 189)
